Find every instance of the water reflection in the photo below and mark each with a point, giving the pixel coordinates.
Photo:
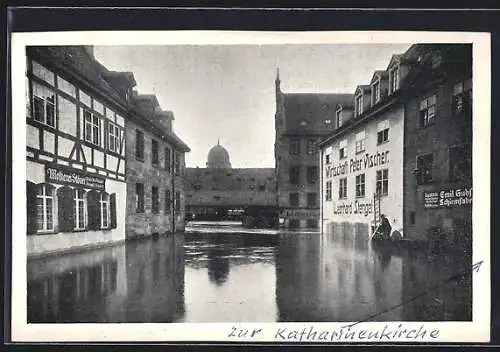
(236, 277)
(140, 282)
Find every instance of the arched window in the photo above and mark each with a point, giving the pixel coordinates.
(80, 209)
(45, 208)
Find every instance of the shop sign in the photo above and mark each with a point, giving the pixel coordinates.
(357, 208)
(299, 213)
(357, 164)
(60, 174)
(448, 198)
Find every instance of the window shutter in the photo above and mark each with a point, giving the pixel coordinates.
(31, 190)
(65, 207)
(112, 210)
(94, 210)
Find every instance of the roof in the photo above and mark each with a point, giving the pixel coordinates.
(307, 112)
(381, 73)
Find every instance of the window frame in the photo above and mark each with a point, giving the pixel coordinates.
(375, 91)
(139, 198)
(423, 118)
(155, 152)
(339, 118)
(419, 168)
(155, 200)
(139, 145)
(114, 133)
(44, 197)
(358, 103)
(360, 185)
(394, 73)
(311, 147)
(385, 136)
(466, 98)
(294, 175)
(343, 188)
(77, 202)
(294, 147)
(360, 145)
(309, 197)
(93, 127)
(312, 175)
(34, 97)
(105, 208)
(382, 182)
(328, 193)
(291, 196)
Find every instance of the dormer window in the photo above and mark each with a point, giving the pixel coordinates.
(376, 92)
(359, 104)
(394, 79)
(338, 117)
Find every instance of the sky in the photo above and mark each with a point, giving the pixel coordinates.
(226, 92)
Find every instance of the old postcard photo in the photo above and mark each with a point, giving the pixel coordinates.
(251, 186)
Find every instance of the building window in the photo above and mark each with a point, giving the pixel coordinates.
(92, 127)
(360, 185)
(424, 168)
(328, 195)
(114, 138)
(359, 104)
(177, 201)
(339, 117)
(312, 174)
(328, 122)
(177, 164)
(294, 175)
(394, 79)
(155, 200)
(311, 200)
(360, 142)
(460, 164)
(383, 136)
(343, 188)
(382, 186)
(45, 208)
(168, 201)
(342, 153)
(311, 147)
(139, 144)
(375, 92)
(80, 209)
(462, 98)
(427, 111)
(44, 105)
(167, 159)
(139, 198)
(294, 199)
(328, 159)
(104, 201)
(155, 157)
(294, 147)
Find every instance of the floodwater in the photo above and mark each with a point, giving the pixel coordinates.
(229, 274)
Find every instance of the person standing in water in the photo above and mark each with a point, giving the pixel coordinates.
(385, 228)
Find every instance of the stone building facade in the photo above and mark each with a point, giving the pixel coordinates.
(438, 144)
(220, 192)
(155, 170)
(301, 121)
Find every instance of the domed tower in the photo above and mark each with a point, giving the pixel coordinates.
(218, 158)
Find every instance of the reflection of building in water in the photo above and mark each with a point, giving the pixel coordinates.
(218, 265)
(336, 278)
(155, 272)
(80, 288)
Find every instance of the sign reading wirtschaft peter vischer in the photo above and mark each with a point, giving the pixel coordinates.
(448, 198)
(67, 176)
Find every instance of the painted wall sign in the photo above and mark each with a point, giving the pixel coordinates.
(60, 174)
(299, 213)
(448, 198)
(357, 208)
(357, 164)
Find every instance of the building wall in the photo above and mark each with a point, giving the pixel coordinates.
(448, 130)
(301, 213)
(354, 209)
(143, 171)
(57, 104)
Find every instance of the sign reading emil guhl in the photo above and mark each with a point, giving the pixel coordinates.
(63, 175)
(448, 198)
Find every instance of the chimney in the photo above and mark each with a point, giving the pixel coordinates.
(165, 117)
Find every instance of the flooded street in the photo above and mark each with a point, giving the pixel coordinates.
(229, 274)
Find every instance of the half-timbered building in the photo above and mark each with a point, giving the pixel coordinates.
(75, 149)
